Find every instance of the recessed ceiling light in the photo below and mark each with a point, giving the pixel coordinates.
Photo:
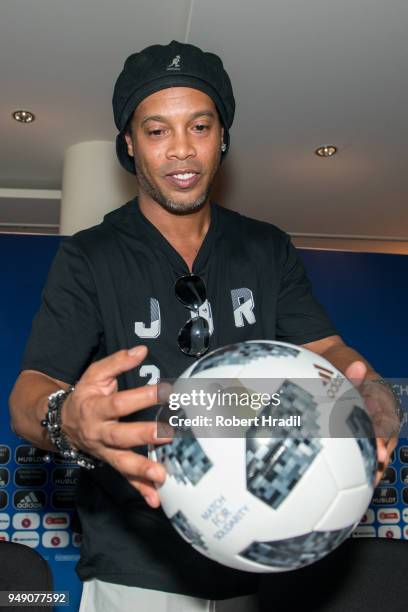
(326, 151)
(23, 116)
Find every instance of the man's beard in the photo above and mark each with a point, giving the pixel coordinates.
(178, 208)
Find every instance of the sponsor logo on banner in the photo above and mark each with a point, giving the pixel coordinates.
(29, 538)
(406, 532)
(63, 498)
(56, 520)
(61, 461)
(5, 454)
(389, 531)
(403, 454)
(4, 477)
(26, 520)
(405, 515)
(3, 500)
(388, 515)
(389, 476)
(4, 536)
(368, 517)
(29, 455)
(404, 475)
(55, 539)
(29, 500)
(65, 477)
(30, 477)
(76, 539)
(385, 496)
(5, 520)
(405, 495)
(364, 531)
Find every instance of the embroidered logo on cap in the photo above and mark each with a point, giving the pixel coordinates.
(175, 63)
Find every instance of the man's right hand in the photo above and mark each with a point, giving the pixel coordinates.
(90, 419)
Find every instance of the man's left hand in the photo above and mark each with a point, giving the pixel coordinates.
(380, 403)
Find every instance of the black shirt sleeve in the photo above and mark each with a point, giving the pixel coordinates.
(300, 317)
(67, 330)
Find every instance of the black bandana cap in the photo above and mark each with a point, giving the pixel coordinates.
(174, 65)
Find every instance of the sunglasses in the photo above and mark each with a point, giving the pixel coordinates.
(194, 336)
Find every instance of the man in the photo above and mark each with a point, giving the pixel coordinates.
(111, 321)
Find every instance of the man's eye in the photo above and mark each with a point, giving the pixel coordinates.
(157, 132)
(201, 127)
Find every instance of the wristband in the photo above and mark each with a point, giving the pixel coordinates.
(52, 422)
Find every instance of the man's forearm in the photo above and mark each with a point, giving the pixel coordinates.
(342, 355)
(28, 406)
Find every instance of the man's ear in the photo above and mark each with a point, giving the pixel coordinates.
(129, 143)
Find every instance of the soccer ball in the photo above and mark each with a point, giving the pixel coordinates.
(260, 497)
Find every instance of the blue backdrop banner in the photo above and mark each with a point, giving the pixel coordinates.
(366, 296)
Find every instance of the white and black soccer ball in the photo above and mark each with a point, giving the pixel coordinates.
(271, 504)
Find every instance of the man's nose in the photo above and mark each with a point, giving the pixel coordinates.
(181, 146)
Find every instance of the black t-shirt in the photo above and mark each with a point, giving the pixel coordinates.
(112, 287)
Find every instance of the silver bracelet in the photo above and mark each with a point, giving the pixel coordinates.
(52, 422)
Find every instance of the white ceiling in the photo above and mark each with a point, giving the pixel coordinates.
(304, 74)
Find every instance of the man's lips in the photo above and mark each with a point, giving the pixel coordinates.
(183, 179)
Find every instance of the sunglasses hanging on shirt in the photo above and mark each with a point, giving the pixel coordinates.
(194, 336)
